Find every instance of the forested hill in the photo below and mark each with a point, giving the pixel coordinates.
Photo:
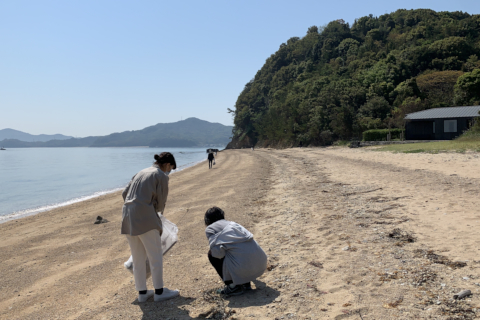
(340, 80)
(190, 132)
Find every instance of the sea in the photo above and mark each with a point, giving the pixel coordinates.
(34, 180)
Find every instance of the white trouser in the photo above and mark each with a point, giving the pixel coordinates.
(146, 245)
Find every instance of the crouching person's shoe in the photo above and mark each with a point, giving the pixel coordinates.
(167, 294)
(247, 286)
(144, 297)
(232, 291)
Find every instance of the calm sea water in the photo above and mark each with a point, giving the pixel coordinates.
(38, 179)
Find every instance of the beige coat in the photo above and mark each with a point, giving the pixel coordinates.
(144, 196)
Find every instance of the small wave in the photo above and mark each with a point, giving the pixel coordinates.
(187, 165)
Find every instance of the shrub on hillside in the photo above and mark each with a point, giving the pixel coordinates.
(438, 86)
(473, 133)
(326, 138)
(467, 89)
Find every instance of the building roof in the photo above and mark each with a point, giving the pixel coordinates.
(441, 113)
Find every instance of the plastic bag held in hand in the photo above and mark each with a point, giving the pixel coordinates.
(169, 238)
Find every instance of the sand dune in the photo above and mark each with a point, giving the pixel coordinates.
(337, 224)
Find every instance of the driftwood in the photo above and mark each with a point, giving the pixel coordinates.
(352, 193)
(462, 294)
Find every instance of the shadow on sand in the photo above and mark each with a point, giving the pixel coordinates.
(261, 296)
(170, 309)
(173, 309)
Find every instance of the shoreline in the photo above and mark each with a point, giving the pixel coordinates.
(36, 210)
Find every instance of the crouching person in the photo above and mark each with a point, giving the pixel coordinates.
(235, 255)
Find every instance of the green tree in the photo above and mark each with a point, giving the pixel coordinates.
(313, 29)
(404, 90)
(467, 89)
(376, 107)
(409, 105)
(438, 87)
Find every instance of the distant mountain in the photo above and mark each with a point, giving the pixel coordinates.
(191, 132)
(23, 136)
(73, 142)
(198, 132)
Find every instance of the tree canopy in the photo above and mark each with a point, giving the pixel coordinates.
(340, 80)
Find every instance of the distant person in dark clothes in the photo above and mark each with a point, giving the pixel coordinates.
(211, 158)
(235, 255)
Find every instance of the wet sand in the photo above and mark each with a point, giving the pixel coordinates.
(326, 218)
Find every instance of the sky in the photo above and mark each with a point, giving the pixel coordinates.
(86, 68)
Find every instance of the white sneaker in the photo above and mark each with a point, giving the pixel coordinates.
(146, 296)
(167, 294)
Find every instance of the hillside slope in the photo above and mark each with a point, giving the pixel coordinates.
(189, 132)
(340, 80)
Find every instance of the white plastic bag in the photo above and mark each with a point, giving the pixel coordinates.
(169, 238)
(169, 235)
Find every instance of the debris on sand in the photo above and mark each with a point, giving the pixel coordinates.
(271, 266)
(218, 310)
(316, 264)
(439, 259)
(393, 305)
(458, 310)
(423, 275)
(462, 294)
(100, 220)
(401, 235)
(388, 276)
(349, 248)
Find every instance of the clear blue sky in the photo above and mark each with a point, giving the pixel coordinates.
(96, 67)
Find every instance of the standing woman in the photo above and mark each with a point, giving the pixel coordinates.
(145, 195)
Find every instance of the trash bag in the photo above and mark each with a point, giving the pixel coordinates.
(169, 238)
(213, 161)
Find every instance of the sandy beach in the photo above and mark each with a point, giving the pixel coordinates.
(350, 234)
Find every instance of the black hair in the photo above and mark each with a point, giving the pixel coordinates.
(213, 215)
(165, 157)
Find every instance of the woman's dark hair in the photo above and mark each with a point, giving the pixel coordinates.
(165, 157)
(213, 215)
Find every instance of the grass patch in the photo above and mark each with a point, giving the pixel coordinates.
(341, 143)
(414, 151)
(459, 145)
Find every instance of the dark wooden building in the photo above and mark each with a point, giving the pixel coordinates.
(439, 123)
